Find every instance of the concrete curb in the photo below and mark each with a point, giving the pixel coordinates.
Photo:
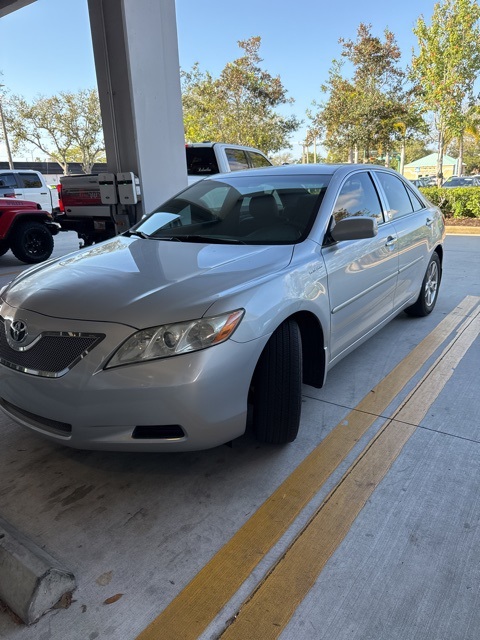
(31, 580)
(455, 230)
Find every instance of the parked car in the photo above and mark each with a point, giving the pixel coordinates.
(26, 230)
(231, 293)
(461, 181)
(207, 158)
(30, 185)
(425, 181)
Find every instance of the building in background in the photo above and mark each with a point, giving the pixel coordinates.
(427, 166)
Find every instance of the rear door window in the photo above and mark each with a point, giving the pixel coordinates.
(398, 200)
(417, 204)
(30, 181)
(236, 159)
(257, 160)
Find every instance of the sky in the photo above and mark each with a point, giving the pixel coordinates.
(46, 47)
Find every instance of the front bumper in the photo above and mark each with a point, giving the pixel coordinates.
(204, 393)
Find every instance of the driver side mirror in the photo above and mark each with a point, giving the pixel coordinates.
(356, 228)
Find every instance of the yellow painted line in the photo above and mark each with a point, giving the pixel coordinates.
(10, 273)
(268, 611)
(196, 606)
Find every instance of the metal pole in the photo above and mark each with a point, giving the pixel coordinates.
(4, 127)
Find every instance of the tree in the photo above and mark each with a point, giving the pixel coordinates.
(361, 112)
(471, 128)
(284, 157)
(447, 65)
(334, 118)
(467, 147)
(415, 149)
(408, 125)
(238, 106)
(59, 126)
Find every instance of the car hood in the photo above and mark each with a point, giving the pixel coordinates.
(142, 282)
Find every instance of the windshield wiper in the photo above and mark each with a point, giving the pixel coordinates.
(198, 238)
(139, 234)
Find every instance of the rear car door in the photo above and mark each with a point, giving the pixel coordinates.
(362, 274)
(413, 224)
(32, 188)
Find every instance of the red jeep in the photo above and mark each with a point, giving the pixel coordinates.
(27, 230)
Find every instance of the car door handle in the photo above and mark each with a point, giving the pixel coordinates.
(391, 240)
(429, 222)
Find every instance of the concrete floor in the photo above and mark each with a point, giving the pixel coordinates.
(136, 529)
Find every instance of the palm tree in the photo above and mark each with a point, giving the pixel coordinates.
(471, 127)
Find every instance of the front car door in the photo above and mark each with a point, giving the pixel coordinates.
(362, 274)
(8, 182)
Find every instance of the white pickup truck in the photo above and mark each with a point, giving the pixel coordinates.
(29, 185)
(81, 207)
(208, 158)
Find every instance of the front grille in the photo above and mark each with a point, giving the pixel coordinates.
(51, 356)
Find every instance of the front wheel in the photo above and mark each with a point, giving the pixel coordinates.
(277, 387)
(429, 291)
(32, 242)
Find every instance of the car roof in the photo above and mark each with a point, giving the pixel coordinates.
(210, 145)
(307, 169)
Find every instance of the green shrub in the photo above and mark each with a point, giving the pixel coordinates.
(455, 202)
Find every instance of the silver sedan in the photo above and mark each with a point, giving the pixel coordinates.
(230, 294)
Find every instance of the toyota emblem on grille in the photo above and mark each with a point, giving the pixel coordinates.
(18, 331)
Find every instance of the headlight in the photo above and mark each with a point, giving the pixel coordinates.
(175, 339)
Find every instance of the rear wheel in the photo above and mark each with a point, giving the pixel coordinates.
(277, 387)
(429, 291)
(31, 242)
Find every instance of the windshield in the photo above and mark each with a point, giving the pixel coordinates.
(250, 210)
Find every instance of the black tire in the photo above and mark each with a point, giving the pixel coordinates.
(3, 247)
(277, 387)
(31, 242)
(429, 292)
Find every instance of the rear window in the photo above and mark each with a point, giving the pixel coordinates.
(201, 161)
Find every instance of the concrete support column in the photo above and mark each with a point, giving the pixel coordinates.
(136, 59)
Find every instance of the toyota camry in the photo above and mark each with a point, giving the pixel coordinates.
(228, 296)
